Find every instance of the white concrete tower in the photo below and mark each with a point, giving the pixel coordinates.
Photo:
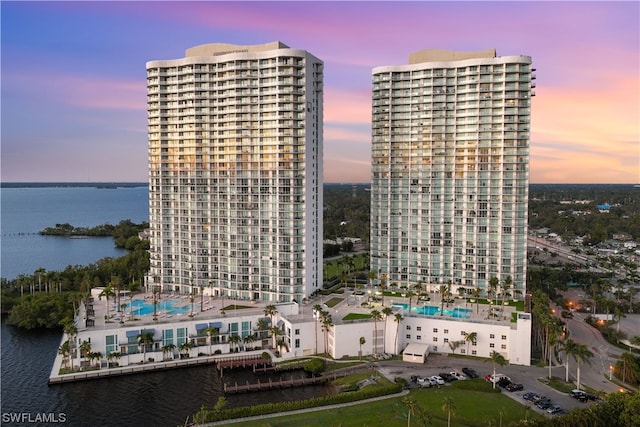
(450, 171)
(235, 172)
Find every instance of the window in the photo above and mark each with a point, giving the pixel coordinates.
(297, 331)
(435, 330)
(463, 351)
(473, 352)
(492, 345)
(504, 337)
(492, 336)
(463, 333)
(112, 344)
(297, 343)
(446, 340)
(446, 331)
(419, 337)
(408, 336)
(408, 327)
(418, 328)
(503, 346)
(435, 339)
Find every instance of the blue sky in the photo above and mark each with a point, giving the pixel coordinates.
(74, 95)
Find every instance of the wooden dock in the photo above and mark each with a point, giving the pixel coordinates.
(293, 382)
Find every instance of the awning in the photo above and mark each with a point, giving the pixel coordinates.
(216, 325)
(201, 326)
(132, 334)
(280, 323)
(150, 331)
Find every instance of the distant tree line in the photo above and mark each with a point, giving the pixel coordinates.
(125, 232)
(545, 210)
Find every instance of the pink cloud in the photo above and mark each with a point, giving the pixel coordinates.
(347, 106)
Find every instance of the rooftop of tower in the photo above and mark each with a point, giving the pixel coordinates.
(215, 49)
(439, 55)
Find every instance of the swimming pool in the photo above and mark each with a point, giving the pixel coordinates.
(141, 308)
(432, 310)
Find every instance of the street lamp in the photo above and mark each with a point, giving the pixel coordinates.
(610, 372)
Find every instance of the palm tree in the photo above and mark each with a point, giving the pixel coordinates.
(270, 310)
(453, 345)
(628, 368)
(372, 276)
(386, 312)
(411, 405)
(476, 295)
(85, 349)
(248, 340)
(211, 332)
(375, 316)
(496, 359)
(107, 292)
(443, 293)
(317, 309)
(145, 338)
(569, 348)
(185, 348)
(618, 314)
(582, 354)
(493, 286)
(234, 341)
(65, 351)
(506, 286)
(383, 285)
(327, 324)
(71, 331)
(361, 341)
(275, 333)
(398, 319)
(470, 337)
(166, 349)
(449, 406)
(410, 295)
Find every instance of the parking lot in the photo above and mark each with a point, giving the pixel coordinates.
(526, 375)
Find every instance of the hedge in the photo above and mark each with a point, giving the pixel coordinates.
(205, 416)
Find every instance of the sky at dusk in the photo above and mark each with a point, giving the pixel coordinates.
(74, 79)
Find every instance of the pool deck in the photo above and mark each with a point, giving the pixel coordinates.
(351, 301)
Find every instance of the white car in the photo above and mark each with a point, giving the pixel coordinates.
(437, 379)
(423, 382)
(494, 379)
(457, 376)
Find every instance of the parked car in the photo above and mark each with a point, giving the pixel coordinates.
(554, 409)
(457, 375)
(495, 378)
(447, 377)
(544, 404)
(504, 382)
(582, 395)
(423, 382)
(438, 380)
(529, 395)
(514, 387)
(471, 373)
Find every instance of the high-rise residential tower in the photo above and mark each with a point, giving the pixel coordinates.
(450, 171)
(235, 172)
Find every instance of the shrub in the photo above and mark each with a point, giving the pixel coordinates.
(315, 366)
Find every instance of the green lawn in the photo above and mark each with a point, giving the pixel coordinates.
(356, 316)
(333, 302)
(473, 408)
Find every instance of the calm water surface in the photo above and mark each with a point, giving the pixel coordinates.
(152, 399)
(27, 210)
